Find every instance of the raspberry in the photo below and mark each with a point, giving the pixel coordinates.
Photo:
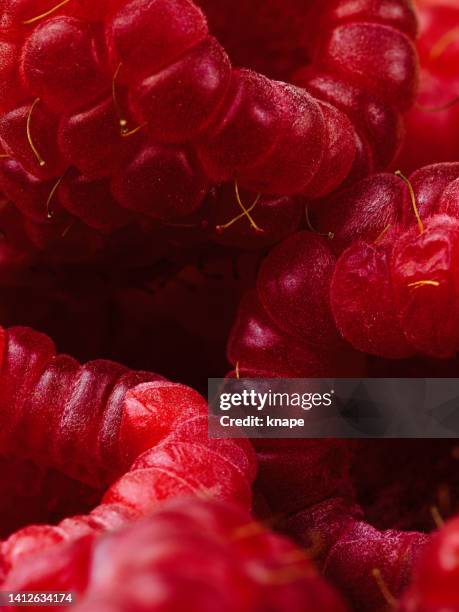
(146, 99)
(360, 212)
(293, 289)
(265, 221)
(364, 540)
(277, 332)
(197, 555)
(433, 124)
(387, 294)
(109, 428)
(43, 72)
(434, 584)
(371, 567)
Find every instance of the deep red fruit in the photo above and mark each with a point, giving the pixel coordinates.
(193, 555)
(285, 328)
(146, 98)
(368, 541)
(294, 285)
(397, 294)
(433, 124)
(253, 222)
(363, 302)
(371, 567)
(434, 584)
(106, 426)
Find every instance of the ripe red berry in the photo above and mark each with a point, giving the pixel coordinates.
(433, 124)
(126, 80)
(293, 287)
(99, 425)
(396, 294)
(369, 566)
(434, 584)
(192, 555)
(285, 328)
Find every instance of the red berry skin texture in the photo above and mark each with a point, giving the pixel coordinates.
(92, 202)
(349, 549)
(13, 137)
(252, 109)
(97, 130)
(144, 96)
(194, 555)
(355, 49)
(294, 286)
(281, 154)
(433, 124)
(100, 425)
(179, 102)
(379, 126)
(434, 584)
(58, 54)
(285, 328)
(360, 212)
(395, 295)
(429, 184)
(363, 302)
(429, 313)
(339, 154)
(167, 174)
(146, 35)
(258, 348)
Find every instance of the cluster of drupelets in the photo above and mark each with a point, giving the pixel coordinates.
(136, 134)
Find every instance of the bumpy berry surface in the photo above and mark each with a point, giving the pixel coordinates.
(394, 291)
(134, 108)
(368, 538)
(354, 555)
(433, 124)
(285, 327)
(122, 433)
(193, 555)
(434, 584)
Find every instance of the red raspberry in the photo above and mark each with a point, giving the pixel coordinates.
(371, 567)
(433, 124)
(397, 295)
(434, 584)
(277, 332)
(192, 555)
(365, 540)
(99, 425)
(146, 101)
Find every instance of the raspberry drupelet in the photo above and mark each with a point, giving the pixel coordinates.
(434, 584)
(189, 554)
(380, 268)
(432, 125)
(139, 97)
(128, 439)
(394, 291)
